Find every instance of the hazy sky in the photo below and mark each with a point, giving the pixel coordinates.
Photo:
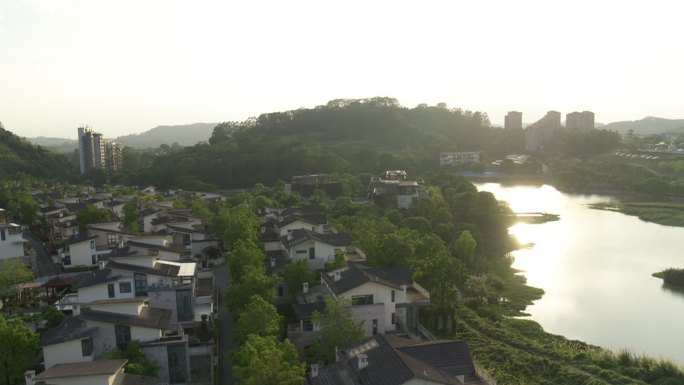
(125, 66)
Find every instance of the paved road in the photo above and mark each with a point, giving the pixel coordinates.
(46, 267)
(226, 326)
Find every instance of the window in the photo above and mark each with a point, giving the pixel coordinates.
(392, 295)
(140, 284)
(394, 318)
(92, 245)
(312, 252)
(375, 326)
(280, 291)
(111, 239)
(123, 336)
(362, 299)
(2, 234)
(302, 251)
(87, 347)
(184, 305)
(110, 290)
(93, 259)
(124, 287)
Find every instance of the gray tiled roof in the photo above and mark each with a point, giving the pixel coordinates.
(303, 235)
(76, 369)
(78, 238)
(394, 360)
(356, 275)
(304, 311)
(160, 269)
(172, 247)
(71, 328)
(148, 318)
(96, 277)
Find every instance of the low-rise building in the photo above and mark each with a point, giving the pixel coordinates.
(458, 158)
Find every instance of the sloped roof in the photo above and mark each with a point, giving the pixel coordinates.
(355, 275)
(78, 369)
(302, 235)
(160, 269)
(71, 328)
(314, 218)
(149, 317)
(96, 277)
(78, 238)
(304, 311)
(172, 247)
(394, 360)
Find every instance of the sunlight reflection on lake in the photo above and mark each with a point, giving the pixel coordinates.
(595, 268)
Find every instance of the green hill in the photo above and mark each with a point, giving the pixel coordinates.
(184, 135)
(647, 126)
(18, 158)
(345, 135)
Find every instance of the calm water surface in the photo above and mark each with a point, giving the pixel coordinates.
(595, 267)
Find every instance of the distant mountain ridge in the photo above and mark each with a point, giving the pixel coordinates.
(184, 135)
(649, 125)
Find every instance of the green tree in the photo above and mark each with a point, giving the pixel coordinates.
(138, 362)
(53, 316)
(12, 272)
(338, 328)
(254, 282)
(17, 350)
(244, 254)
(259, 318)
(465, 247)
(267, 361)
(26, 207)
(236, 223)
(296, 273)
(131, 216)
(92, 214)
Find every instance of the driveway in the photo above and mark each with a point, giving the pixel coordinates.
(46, 267)
(226, 326)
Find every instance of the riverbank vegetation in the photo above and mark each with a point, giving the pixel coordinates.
(674, 277)
(663, 213)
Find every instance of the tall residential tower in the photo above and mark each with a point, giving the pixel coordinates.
(513, 120)
(580, 121)
(539, 134)
(96, 152)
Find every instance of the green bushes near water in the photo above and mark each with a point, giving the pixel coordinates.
(517, 351)
(674, 277)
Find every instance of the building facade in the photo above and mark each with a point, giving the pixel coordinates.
(96, 152)
(540, 133)
(513, 120)
(580, 121)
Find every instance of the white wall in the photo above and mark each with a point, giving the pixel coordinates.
(105, 336)
(97, 292)
(65, 352)
(81, 253)
(324, 252)
(296, 225)
(12, 246)
(83, 380)
(381, 294)
(132, 308)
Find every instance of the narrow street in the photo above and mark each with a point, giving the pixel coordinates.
(225, 325)
(46, 267)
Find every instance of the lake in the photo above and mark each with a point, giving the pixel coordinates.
(595, 267)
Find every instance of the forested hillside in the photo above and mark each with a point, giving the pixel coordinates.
(346, 136)
(20, 158)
